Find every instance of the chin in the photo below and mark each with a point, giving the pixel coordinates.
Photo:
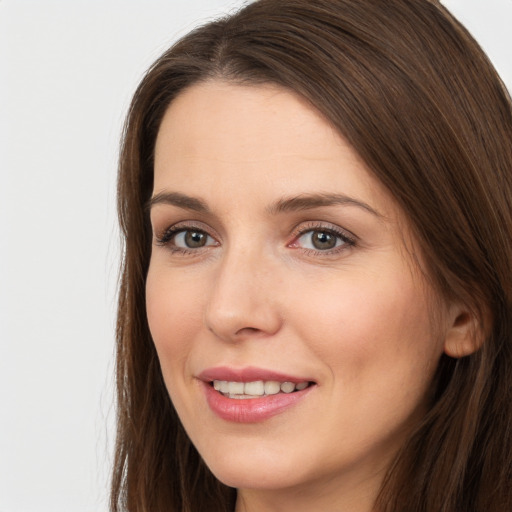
(253, 478)
(256, 471)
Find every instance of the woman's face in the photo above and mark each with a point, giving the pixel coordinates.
(277, 258)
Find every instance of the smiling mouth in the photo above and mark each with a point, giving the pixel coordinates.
(257, 389)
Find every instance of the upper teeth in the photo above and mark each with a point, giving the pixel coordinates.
(256, 388)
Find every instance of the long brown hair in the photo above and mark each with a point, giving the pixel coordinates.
(417, 98)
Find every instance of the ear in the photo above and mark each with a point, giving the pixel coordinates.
(465, 334)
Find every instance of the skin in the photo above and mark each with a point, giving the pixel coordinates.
(354, 318)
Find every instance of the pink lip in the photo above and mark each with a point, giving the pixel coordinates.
(251, 410)
(247, 374)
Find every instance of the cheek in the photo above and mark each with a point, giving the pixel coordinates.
(376, 326)
(174, 315)
(374, 336)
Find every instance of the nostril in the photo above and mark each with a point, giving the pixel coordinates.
(247, 330)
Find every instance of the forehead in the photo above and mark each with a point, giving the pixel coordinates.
(253, 112)
(242, 122)
(244, 137)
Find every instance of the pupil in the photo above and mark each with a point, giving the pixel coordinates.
(324, 240)
(195, 239)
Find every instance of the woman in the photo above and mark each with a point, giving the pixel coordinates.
(316, 294)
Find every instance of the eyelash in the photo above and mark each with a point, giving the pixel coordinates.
(348, 240)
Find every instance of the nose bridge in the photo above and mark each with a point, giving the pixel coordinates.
(242, 300)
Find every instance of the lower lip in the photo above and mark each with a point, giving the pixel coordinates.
(251, 410)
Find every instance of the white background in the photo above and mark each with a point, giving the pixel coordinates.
(67, 72)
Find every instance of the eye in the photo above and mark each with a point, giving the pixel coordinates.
(186, 239)
(320, 240)
(192, 239)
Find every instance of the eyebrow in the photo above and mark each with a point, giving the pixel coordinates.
(179, 200)
(310, 201)
(283, 205)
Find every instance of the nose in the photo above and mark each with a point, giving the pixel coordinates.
(242, 302)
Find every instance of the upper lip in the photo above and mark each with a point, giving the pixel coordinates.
(248, 374)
